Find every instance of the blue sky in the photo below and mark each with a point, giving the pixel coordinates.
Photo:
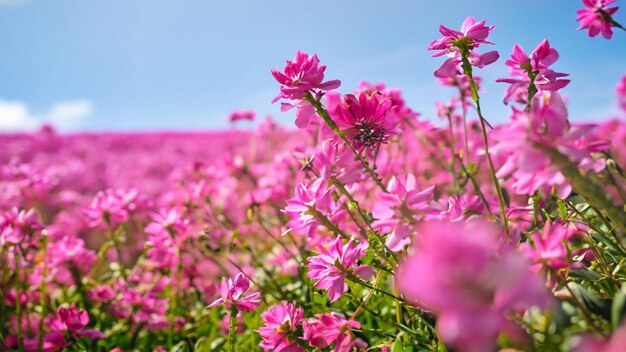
(185, 64)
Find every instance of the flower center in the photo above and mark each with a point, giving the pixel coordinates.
(370, 135)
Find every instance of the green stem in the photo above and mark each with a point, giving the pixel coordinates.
(467, 69)
(232, 329)
(18, 300)
(321, 111)
(44, 294)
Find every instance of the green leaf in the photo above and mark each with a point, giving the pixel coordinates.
(585, 274)
(562, 208)
(618, 308)
(591, 300)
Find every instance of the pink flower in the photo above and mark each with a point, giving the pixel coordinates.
(549, 249)
(241, 115)
(537, 64)
(280, 323)
(237, 292)
(460, 271)
(615, 343)
(332, 266)
(301, 75)
(70, 319)
(546, 125)
(326, 329)
(17, 226)
(307, 199)
(472, 34)
(596, 17)
(364, 119)
(112, 207)
(621, 93)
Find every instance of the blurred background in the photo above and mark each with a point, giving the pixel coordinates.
(143, 65)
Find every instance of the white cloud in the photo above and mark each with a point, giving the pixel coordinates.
(65, 115)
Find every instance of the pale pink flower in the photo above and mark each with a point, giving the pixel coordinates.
(621, 93)
(112, 207)
(17, 226)
(596, 17)
(237, 292)
(307, 200)
(331, 267)
(326, 329)
(469, 280)
(592, 343)
(280, 323)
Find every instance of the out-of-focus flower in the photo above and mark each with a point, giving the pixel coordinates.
(280, 322)
(17, 226)
(592, 343)
(546, 125)
(237, 292)
(241, 115)
(325, 329)
(469, 280)
(596, 17)
(112, 207)
(621, 93)
(74, 321)
(331, 267)
(532, 69)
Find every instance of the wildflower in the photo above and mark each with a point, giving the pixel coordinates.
(363, 119)
(74, 321)
(332, 266)
(533, 71)
(472, 34)
(241, 115)
(237, 292)
(549, 249)
(302, 75)
(469, 281)
(112, 207)
(17, 226)
(596, 17)
(546, 125)
(307, 199)
(325, 329)
(280, 322)
(621, 93)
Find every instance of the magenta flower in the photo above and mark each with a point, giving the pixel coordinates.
(326, 329)
(112, 207)
(280, 323)
(17, 226)
(241, 115)
(333, 265)
(307, 199)
(549, 250)
(74, 321)
(364, 119)
(237, 292)
(301, 75)
(545, 125)
(472, 34)
(596, 17)
(536, 66)
(460, 271)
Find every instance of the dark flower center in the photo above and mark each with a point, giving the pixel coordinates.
(370, 135)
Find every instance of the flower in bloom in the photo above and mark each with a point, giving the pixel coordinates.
(536, 66)
(460, 271)
(237, 292)
(402, 201)
(17, 226)
(472, 34)
(301, 75)
(74, 321)
(546, 125)
(112, 207)
(596, 17)
(621, 93)
(325, 329)
(549, 249)
(280, 322)
(241, 115)
(332, 266)
(363, 119)
(314, 197)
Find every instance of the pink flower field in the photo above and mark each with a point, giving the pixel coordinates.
(361, 226)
